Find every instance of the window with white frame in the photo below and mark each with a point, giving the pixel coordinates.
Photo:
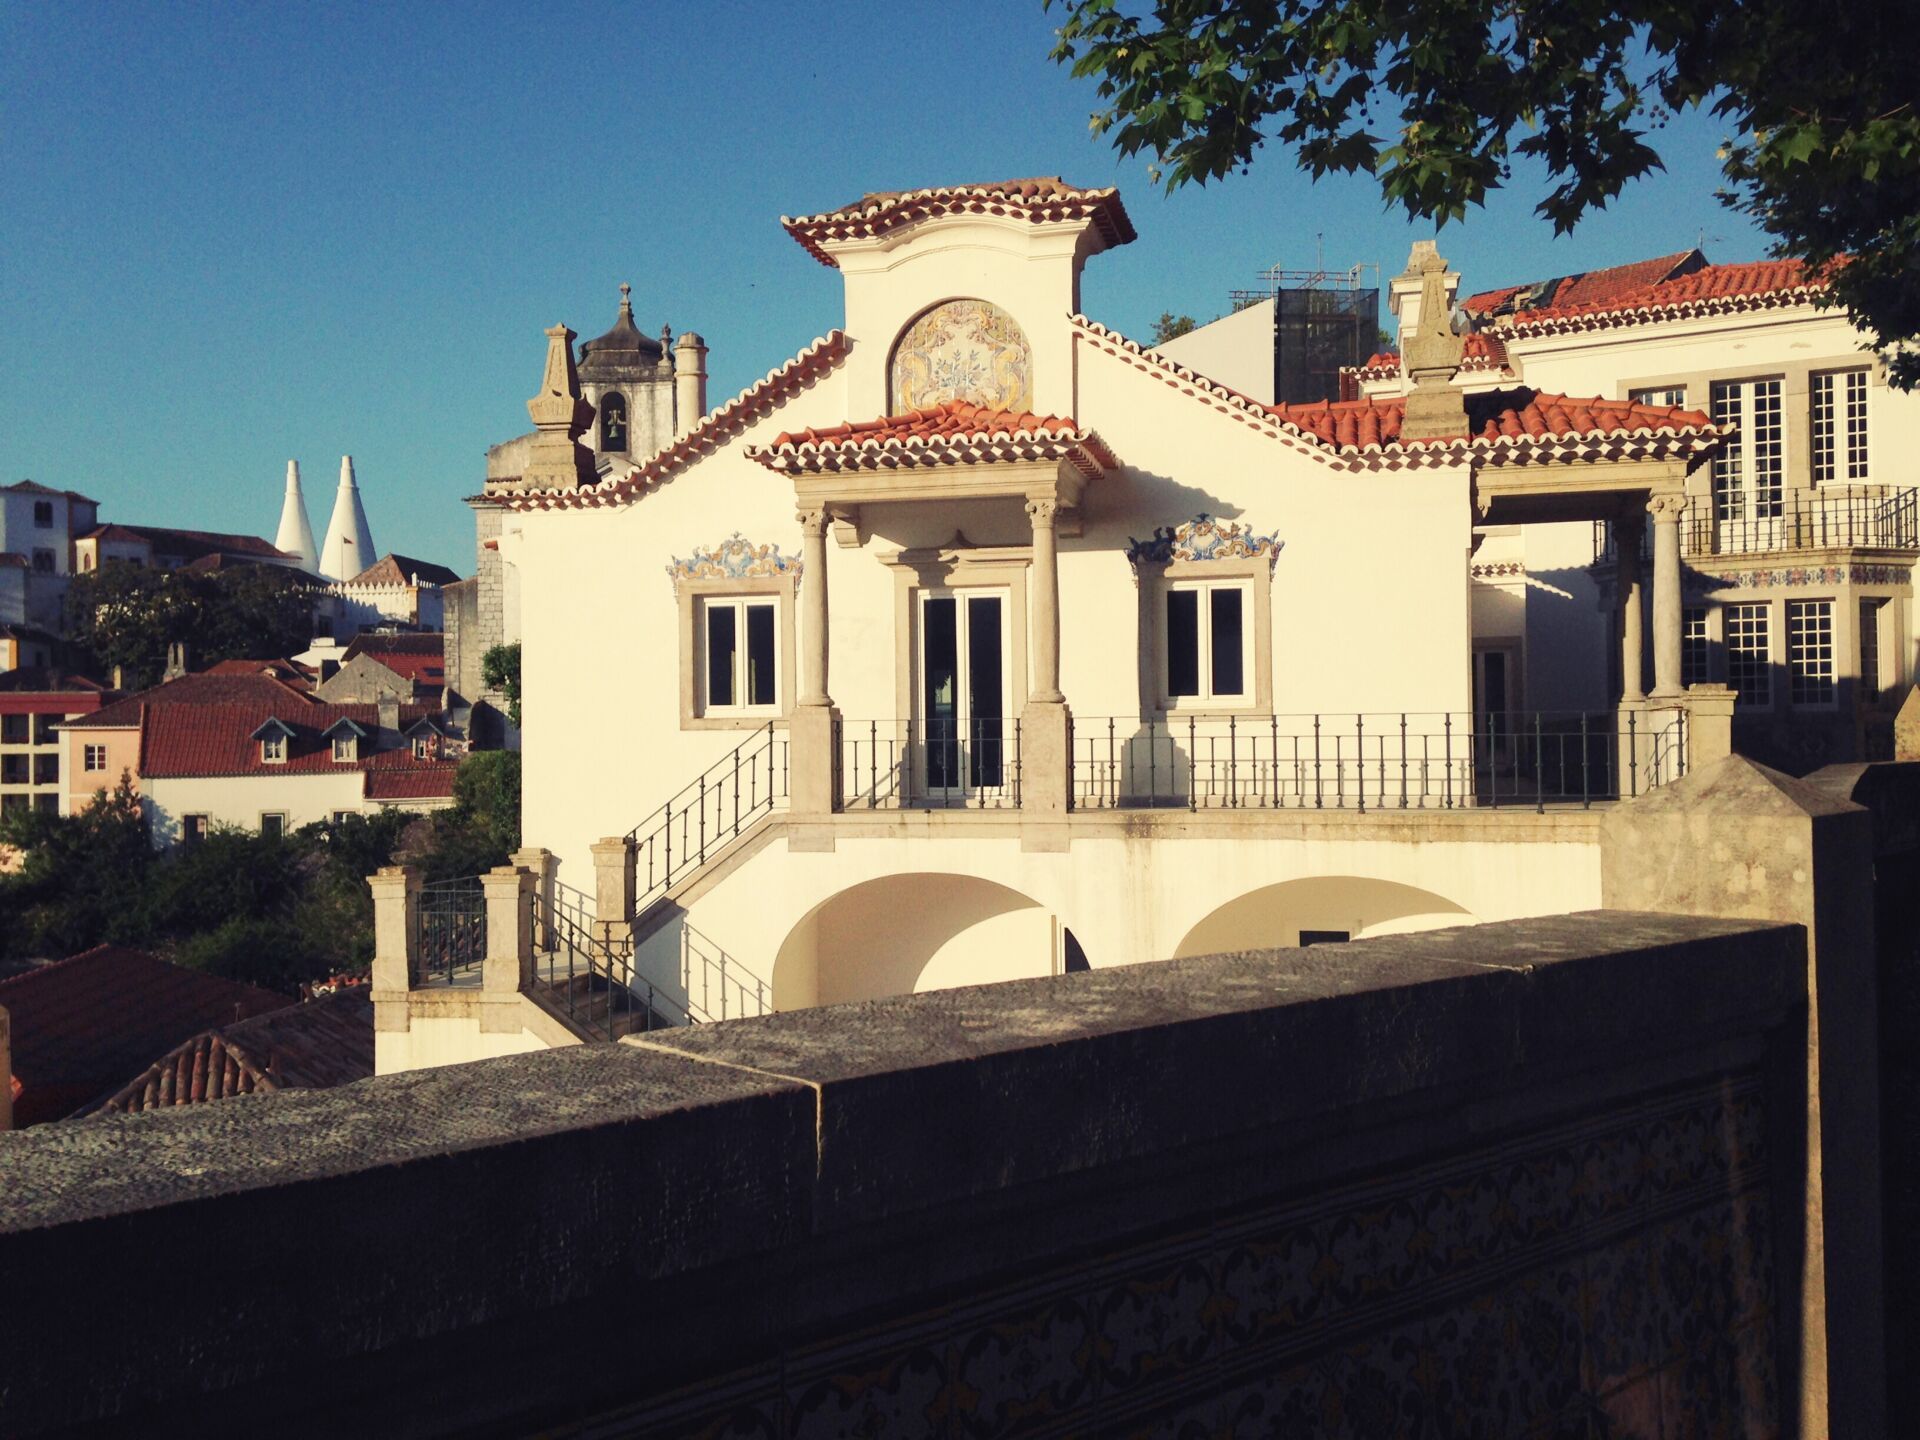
(739, 649)
(1810, 651)
(346, 749)
(193, 829)
(1749, 644)
(1839, 413)
(94, 758)
(1870, 612)
(1659, 395)
(273, 823)
(1695, 652)
(1747, 471)
(1206, 641)
(423, 747)
(273, 749)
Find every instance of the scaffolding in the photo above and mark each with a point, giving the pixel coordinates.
(1323, 321)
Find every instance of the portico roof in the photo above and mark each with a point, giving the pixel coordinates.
(954, 433)
(1037, 198)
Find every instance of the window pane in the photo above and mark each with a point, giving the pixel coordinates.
(940, 662)
(1183, 642)
(272, 824)
(760, 686)
(1224, 607)
(1728, 501)
(1747, 644)
(720, 651)
(1810, 651)
(986, 698)
(1694, 652)
(1768, 447)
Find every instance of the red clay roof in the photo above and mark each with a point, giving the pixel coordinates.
(1517, 413)
(34, 487)
(953, 433)
(421, 780)
(86, 1023)
(1592, 287)
(1630, 293)
(1038, 198)
(1483, 351)
(184, 741)
(204, 688)
(420, 658)
(287, 671)
(955, 417)
(191, 544)
(394, 569)
(321, 1043)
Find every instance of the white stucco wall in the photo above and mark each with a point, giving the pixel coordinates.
(1236, 350)
(240, 800)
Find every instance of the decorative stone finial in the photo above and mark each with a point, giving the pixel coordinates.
(1431, 355)
(555, 459)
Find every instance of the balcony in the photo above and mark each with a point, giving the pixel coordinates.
(1872, 517)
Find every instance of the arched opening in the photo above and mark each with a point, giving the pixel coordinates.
(903, 934)
(1317, 910)
(969, 350)
(613, 423)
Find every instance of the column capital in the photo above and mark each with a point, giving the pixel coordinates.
(813, 522)
(1667, 509)
(1043, 510)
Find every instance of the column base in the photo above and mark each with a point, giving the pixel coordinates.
(813, 739)
(1046, 757)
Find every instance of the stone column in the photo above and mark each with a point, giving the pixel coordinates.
(813, 725)
(1666, 511)
(1042, 511)
(508, 967)
(1626, 537)
(541, 864)
(396, 913)
(615, 887)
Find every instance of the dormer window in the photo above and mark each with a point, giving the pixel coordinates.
(423, 747)
(346, 749)
(423, 736)
(273, 737)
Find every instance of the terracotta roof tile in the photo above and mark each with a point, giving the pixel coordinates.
(420, 658)
(394, 569)
(180, 741)
(204, 688)
(1517, 413)
(1650, 290)
(1037, 199)
(86, 1023)
(1484, 350)
(953, 433)
(1592, 287)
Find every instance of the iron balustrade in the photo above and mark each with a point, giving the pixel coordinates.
(928, 764)
(589, 977)
(450, 928)
(1360, 761)
(1835, 517)
(711, 813)
(716, 986)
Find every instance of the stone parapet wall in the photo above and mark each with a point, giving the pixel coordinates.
(1488, 1180)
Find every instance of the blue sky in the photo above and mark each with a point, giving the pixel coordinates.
(234, 235)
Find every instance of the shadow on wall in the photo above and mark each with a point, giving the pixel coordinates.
(901, 934)
(1332, 905)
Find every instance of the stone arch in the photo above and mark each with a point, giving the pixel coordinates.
(1274, 916)
(900, 934)
(964, 349)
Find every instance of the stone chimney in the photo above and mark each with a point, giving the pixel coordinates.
(689, 383)
(387, 708)
(1430, 351)
(555, 458)
(176, 660)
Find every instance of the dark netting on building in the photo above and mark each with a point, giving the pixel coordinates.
(1319, 330)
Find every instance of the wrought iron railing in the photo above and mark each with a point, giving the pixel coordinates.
(1864, 516)
(589, 977)
(717, 987)
(928, 764)
(450, 928)
(709, 814)
(1387, 761)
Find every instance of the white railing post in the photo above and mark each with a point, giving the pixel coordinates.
(542, 865)
(614, 887)
(396, 927)
(508, 967)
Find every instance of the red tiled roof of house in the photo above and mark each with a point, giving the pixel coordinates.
(312, 1046)
(203, 688)
(394, 569)
(1513, 414)
(1632, 294)
(190, 543)
(182, 741)
(1483, 351)
(420, 658)
(952, 433)
(39, 680)
(1036, 199)
(84, 1024)
(287, 671)
(34, 487)
(422, 781)
(1592, 287)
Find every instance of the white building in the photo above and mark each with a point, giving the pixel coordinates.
(38, 528)
(978, 641)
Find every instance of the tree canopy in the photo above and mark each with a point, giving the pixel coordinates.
(127, 615)
(1437, 99)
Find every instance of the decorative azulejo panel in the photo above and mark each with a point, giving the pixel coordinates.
(1204, 538)
(967, 350)
(735, 558)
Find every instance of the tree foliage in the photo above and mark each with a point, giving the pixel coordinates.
(1171, 327)
(127, 615)
(1437, 99)
(500, 668)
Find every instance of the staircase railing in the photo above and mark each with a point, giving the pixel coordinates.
(709, 814)
(592, 982)
(716, 986)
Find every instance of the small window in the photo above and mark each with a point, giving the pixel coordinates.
(340, 817)
(43, 514)
(740, 654)
(1810, 651)
(1207, 639)
(95, 759)
(46, 769)
(13, 770)
(1839, 414)
(47, 804)
(12, 802)
(193, 829)
(274, 823)
(1695, 651)
(1659, 395)
(1325, 937)
(43, 561)
(46, 728)
(14, 729)
(1870, 611)
(613, 422)
(346, 749)
(1748, 645)
(273, 749)
(423, 747)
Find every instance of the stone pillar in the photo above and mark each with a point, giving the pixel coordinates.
(615, 887)
(541, 864)
(6, 1070)
(1736, 839)
(812, 729)
(689, 383)
(1042, 511)
(396, 930)
(508, 967)
(1709, 724)
(1626, 538)
(1666, 511)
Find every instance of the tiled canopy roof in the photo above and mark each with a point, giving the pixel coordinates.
(1039, 198)
(88, 1022)
(954, 433)
(1497, 415)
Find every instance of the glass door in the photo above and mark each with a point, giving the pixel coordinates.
(962, 695)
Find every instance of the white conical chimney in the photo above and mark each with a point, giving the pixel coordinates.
(295, 536)
(349, 545)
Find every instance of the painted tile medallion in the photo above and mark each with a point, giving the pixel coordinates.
(966, 350)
